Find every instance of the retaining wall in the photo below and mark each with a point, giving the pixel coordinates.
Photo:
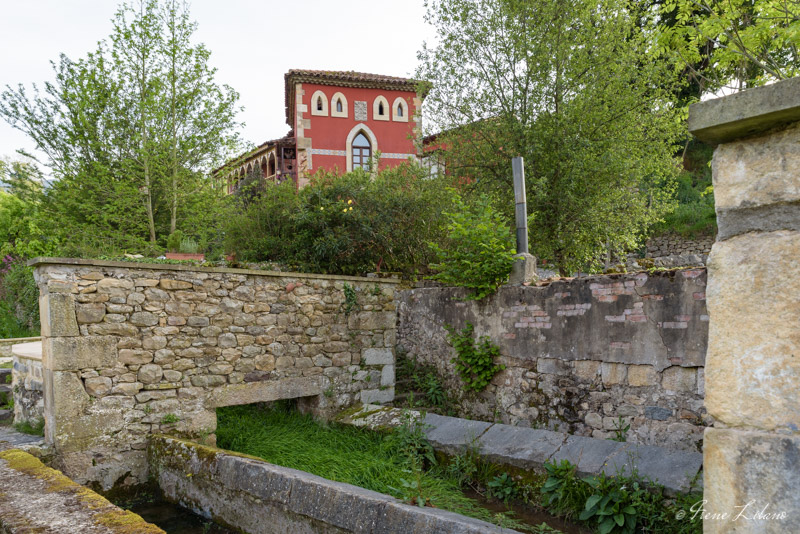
(262, 498)
(579, 354)
(131, 349)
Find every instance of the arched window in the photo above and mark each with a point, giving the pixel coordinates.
(319, 103)
(380, 108)
(400, 107)
(362, 152)
(338, 105)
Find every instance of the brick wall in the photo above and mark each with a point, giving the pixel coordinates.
(579, 354)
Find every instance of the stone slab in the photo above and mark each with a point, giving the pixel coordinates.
(76, 353)
(11, 439)
(675, 470)
(590, 455)
(31, 350)
(266, 391)
(452, 435)
(745, 113)
(521, 447)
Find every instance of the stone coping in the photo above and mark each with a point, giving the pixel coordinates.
(18, 340)
(746, 113)
(32, 351)
(36, 498)
(528, 449)
(34, 262)
(242, 491)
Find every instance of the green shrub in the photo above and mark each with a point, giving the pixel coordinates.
(19, 299)
(174, 241)
(189, 246)
(474, 364)
(349, 224)
(479, 249)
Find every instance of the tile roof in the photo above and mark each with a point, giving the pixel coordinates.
(342, 79)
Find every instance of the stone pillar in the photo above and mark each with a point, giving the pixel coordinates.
(752, 454)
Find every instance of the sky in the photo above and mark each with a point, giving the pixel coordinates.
(252, 43)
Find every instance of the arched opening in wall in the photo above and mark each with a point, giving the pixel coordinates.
(381, 111)
(271, 167)
(319, 103)
(338, 105)
(362, 152)
(399, 110)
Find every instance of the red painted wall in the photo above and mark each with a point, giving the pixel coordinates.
(331, 132)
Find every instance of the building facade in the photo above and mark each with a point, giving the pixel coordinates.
(339, 121)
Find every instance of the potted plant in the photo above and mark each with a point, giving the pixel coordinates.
(182, 247)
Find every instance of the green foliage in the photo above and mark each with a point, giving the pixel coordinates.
(748, 43)
(128, 132)
(19, 299)
(617, 504)
(577, 89)
(621, 430)
(344, 454)
(349, 224)
(35, 429)
(169, 418)
(189, 246)
(174, 241)
(474, 364)
(479, 249)
(350, 298)
(503, 487)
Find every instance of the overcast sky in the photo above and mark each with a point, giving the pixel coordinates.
(253, 43)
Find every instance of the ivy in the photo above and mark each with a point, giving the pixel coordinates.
(474, 363)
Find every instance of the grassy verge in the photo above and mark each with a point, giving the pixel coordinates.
(346, 454)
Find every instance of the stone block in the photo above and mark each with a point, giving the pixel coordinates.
(679, 379)
(118, 329)
(75, 353)
(675, 470)
(520, 447)
(378, 357)
(451, 434)
(377, 396)
(107, 284)
(657, 413)
(744, 467)
(552, 366)
(752, 362)
(150, 373)
(144, 318)
(98, 386)
(588, 454)
(387, 376)
(613, 373)
(166, 283)
(58, 315)
(642, 376)
(252, 392)
(587, 369)
(135, 356)
(90, 313)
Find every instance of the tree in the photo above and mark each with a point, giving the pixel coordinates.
(748, 42)
(130, 131)
(574, 87)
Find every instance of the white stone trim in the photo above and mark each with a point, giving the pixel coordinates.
(314, 111)
(328, 152)
(334, 98)
(400, 101)
(380, 99)
(397, 155)
(373, 141)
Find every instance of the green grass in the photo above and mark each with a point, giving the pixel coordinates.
(10, 327)
(344, 454)
(35, 429)
(6, 365)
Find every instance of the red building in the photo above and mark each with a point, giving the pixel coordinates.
(339, 121)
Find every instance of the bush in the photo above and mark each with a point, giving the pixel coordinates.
(19, 299)
(349, 224)
(479, 249)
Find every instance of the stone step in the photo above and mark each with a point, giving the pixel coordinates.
(6, 415)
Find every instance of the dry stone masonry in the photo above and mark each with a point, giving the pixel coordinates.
(132, 349)
(752, 453)
(588, 356)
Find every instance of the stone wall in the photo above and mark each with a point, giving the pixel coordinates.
(752, 454)
(579, 354)
(27, 379)
(677, 245)
(131, 349)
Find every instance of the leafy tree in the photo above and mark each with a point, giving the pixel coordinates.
(129, 132)
(573, 86)
(748, 42)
